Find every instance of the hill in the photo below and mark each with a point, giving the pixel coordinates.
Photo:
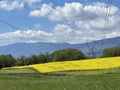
(28, 49)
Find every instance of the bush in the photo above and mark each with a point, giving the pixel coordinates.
(33, 59)
(44, 58)
(111, 52)
(7, 61)
(67, 54)
(0, 64)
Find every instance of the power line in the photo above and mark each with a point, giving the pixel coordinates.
(61, 13)
(91, 47)
(13, 27)
(8, 24)
(107, 15)
(106, 21)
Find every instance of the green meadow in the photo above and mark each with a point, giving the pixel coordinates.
(30, 79)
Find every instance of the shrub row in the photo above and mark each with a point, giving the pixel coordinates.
(59, 55)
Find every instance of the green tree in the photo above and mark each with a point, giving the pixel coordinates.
(7, 61)
(44, 58)
(1, 64)
(22, 61)
(111, 52)
(33, 59)
(67, 54)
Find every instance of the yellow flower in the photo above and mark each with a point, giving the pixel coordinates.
(90, 64)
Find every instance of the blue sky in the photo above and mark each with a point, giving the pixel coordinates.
(59, 21)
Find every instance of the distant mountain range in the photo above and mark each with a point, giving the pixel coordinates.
(28, 49)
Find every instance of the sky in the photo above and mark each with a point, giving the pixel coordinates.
(58, 21)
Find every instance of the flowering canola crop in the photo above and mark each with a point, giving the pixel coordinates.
(90, 64)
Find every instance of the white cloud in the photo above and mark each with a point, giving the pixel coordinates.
(16, 4)
(25, 36)
(44, 11)
(89, 19)
(100, 24)
(31, 1)
(88, 23)
(73, 11)
(60, 34)
(6, 5)
(64, 33)
(113, 34)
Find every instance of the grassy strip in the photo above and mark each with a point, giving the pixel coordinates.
(20, 71)
(30, 79)
(48, 82)
(89, 72)
(17, 70)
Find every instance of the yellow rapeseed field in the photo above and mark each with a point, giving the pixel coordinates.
(90, 64)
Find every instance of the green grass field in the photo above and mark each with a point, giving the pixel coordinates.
(12, 71)
(29, 79)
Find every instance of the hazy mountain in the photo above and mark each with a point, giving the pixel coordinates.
(28, 49)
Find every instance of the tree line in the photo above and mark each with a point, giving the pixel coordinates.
(59, 55)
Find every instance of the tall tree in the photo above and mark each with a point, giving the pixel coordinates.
(67, 54)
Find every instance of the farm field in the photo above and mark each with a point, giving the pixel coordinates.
(12, 70)
(108, 79)
(89, 64)
(29, 78)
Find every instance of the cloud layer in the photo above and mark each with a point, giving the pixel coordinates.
(90, 20)
(73, 11)
(6, 5)
(87, 22)
(15, 4)
(60, 34)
